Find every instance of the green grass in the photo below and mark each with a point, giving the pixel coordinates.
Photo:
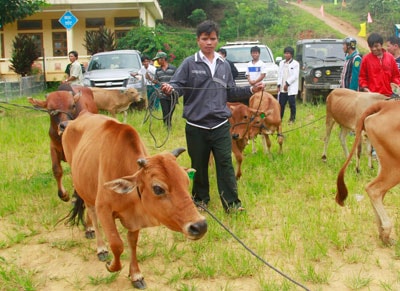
(292, 220)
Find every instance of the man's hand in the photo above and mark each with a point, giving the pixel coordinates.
(166, 88)
(258, 87)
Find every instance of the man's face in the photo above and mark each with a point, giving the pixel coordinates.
(376, 49)
(391, 48)
(146, 63)
(72, 58)
(207, 42)
(345, 48)
(255, 55)
(161, 61)
(287, 56)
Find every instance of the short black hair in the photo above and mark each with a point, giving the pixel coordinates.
(255, 49)
(394, 40)
(289, 50)
(374, 38)
(75, 53)
(207, 27)
(145, 57)
(222, 51)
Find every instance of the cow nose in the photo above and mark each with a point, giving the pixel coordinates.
(235, 136)
(198, 229)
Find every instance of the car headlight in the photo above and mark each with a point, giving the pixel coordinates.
(136, 82)
(318, 73)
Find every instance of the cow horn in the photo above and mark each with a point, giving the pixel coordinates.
(178, 151)
(142, 162)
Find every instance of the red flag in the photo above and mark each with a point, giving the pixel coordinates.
(369, 18)
(322, 10)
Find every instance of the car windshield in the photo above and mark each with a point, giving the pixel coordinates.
(324, 51)
(114, 61)
(242, 54)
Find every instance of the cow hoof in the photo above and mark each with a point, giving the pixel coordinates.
(323, 158)
(103, 256)
(90, 234)
(63, 196)
(139, 284)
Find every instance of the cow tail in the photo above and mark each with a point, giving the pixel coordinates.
(76, 215)
(342, 191)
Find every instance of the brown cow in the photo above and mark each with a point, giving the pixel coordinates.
(115, 101)
(61, 106)
(345, 106)
(268, 120)
(381, 123)
(116, 178)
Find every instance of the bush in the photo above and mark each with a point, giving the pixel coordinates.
(25, 52)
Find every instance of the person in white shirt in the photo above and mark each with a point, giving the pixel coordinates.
(288, 83)
(148, 72)
(75, 74)
(256, 68)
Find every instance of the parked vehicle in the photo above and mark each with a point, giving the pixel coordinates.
(321, 64)
(112, 70)
(239, 53)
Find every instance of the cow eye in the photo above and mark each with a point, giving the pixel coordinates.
(158, 190)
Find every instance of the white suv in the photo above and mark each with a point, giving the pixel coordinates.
(239, 53)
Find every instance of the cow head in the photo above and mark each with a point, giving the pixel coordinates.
(61, 105)
(162, 186)
(132, 94)
(241, 120)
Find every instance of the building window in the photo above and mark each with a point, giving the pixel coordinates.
(55, 24)
(29, 24)
(120, 34)
(38, 39)
(59, 44)
(2, 45)
(126, 21)
(95, 22)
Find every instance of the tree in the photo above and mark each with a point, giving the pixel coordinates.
(24, 53)
(102, 40)
(12, 10)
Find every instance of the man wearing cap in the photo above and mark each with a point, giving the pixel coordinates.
(164, 74)
(352, 64)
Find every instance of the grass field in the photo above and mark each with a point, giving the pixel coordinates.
(292, 221)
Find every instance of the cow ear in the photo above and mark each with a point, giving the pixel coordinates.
(37, 103)
(121, 186)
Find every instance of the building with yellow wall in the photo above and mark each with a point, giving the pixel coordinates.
(56, 41)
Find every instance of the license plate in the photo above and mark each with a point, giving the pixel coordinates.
(334, 86)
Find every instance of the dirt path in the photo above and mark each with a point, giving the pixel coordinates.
(336, 23)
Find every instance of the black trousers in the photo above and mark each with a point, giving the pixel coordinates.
(283, 99)
(168, 108)
(200, 143)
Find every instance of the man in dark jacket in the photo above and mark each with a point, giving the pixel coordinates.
(205, 81)
(234, 70)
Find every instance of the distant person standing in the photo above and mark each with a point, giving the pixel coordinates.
(164, 74)
(288, 83)
(234, 70)
(256, 68)
(393, 47)
(148, 71)
(352, 64)
(378, 68)
(75, 71)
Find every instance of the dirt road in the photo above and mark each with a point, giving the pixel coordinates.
(336, 23)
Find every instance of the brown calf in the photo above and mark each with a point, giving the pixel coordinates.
(116, 178)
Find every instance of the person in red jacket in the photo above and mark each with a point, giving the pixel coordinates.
(378, 68)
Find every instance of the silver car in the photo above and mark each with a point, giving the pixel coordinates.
(115, 70)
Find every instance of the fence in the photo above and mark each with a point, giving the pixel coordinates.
(24, 86)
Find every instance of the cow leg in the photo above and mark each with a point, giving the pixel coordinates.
(134, 271)
(89, 229)
(266, 143)
(110, 230)
(253, 145)
(342, 137)
(329, 125)
(125, 115)
(376, 190)
(58, 173)
(102, 252)
(280, 139)
(369, 153)
(237, 149)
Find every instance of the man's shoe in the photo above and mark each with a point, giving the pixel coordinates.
(234, 208)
